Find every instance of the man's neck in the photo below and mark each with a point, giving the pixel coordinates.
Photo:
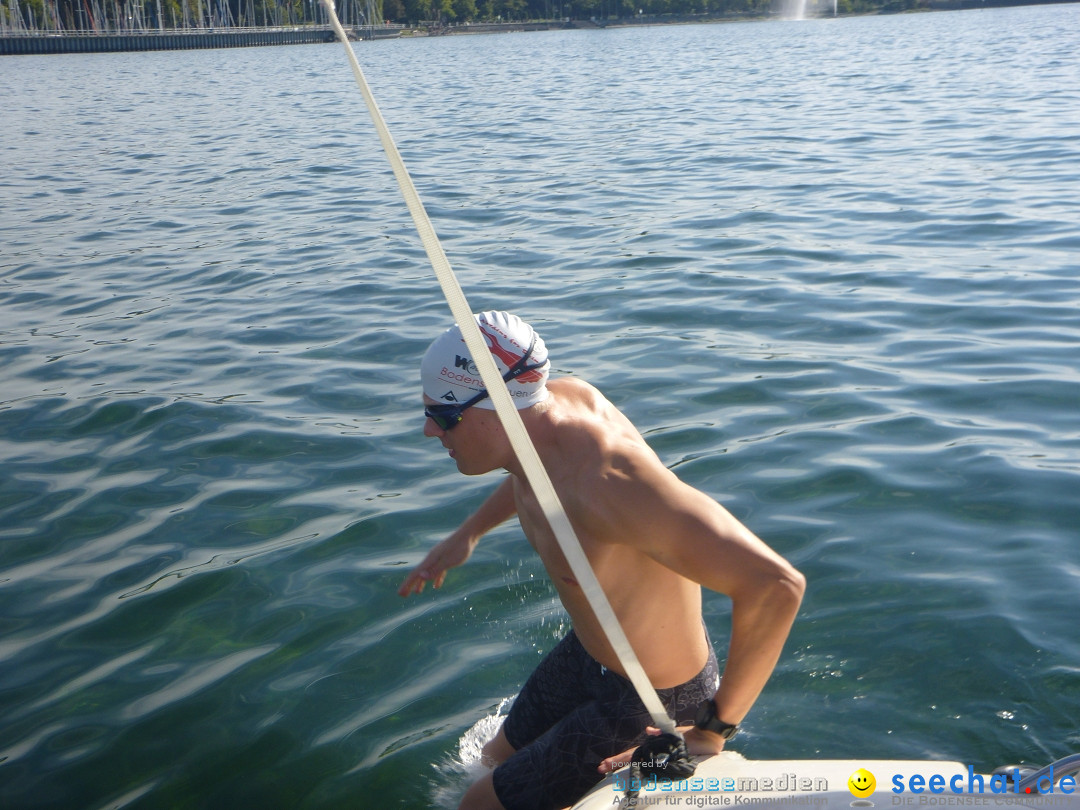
(536, 425)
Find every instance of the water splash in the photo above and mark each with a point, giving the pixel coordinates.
(455, 774)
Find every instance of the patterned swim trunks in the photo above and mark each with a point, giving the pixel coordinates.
(572, 714)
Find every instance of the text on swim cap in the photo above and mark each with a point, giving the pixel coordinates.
(466, 380)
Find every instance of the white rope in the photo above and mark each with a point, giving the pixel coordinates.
(530, 462)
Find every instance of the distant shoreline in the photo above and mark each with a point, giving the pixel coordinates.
(36, 43)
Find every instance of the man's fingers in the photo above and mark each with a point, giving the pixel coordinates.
(415, 582)
(618, 761)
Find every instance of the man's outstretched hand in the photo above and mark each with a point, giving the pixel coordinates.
(451, 552)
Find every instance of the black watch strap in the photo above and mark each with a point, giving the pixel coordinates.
(708, 721)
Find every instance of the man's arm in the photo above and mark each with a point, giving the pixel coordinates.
(691, 534)
(762, 611)
(718, 552)
(458, 547)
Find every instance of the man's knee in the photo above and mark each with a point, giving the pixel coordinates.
(496, 750)
(481, 796)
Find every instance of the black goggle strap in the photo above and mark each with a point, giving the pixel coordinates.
(519, 367)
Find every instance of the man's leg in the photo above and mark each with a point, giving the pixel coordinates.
(481, 796)
(554, 689)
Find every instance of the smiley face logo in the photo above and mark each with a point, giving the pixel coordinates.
(861, 783)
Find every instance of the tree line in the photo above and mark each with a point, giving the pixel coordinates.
(130, 15)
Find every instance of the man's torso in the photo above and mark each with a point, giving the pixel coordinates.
(659, 610)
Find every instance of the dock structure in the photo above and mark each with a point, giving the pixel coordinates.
(182, 39)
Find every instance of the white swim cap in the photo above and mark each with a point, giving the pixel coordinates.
(449, 375)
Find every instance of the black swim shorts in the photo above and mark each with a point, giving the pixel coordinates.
(571, 715)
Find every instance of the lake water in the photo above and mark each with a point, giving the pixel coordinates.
(829, 268)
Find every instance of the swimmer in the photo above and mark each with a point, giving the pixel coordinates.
(653, 541)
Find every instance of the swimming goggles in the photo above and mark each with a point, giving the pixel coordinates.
(448, 416)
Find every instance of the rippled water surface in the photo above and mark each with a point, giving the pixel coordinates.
(829, 268)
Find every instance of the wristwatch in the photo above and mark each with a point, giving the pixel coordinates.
(707, 720)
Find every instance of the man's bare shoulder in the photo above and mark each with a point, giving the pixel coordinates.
(579, 410)
(597, 444)
(575, 389)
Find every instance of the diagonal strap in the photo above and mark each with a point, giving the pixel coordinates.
(534, 470)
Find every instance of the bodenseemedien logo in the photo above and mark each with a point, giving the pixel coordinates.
(789, 783)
